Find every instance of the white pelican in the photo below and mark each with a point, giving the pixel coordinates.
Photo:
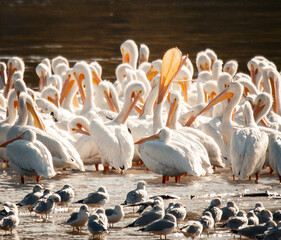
(63, 152)
(115, 133)
(14, 64)
(3, 75)
(247, 146)
(144, 53)
(29, 157)
(58, 60)
(43, 72)
(231, 67)
(212, 55)
(203, 62)
(85, 145)
(208, 142)
(129, 51)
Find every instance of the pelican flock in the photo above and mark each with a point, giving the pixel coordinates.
(169, 116)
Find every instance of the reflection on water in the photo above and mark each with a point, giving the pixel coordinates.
(94, 30)
(117, 185)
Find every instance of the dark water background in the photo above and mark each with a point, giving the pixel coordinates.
(94, 30)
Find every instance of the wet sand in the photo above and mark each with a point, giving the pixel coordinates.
(219, 184)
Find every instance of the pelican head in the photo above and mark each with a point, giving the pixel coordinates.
(129, 51)
(212, 55)
(231, 67)
(144, 53)
(203, 62)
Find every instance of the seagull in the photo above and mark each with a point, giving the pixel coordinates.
(8, 206)
(96, 199)
(10, 222)
(192, 229)
(156, 213)
(115, 214)
(95, 226)
(254, 231)
(229, 211)
(150, 203)
(163, 226)
(178, 210)
(29, 200)
(252, 218)
(207, 222)
(264, 216)
(239, 221)
(102, 216)
(78, 219)
(45, 206)
(137, 195)
(66, 194)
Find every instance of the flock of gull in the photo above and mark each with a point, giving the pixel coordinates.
(155, 114)
(256, 223)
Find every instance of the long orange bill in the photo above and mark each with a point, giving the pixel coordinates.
(256, 110)
(131, 107)
(153, 137)
(79, 80)
(36, 118)
(81, 130)
(274, 95)
(5, 144)
(109, 102)
(96, 78)
(222, 96)
(170, 67)
(171, 113)
(183, 85)
(9, 81)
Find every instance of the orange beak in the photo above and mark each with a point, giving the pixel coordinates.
(109, 102)
(136, 98)
(37, 120)
(5, 144)
(171, 65)
(79, 80)
(171, 113)
(65, 89)
(96, 78)
(153, 137)
(222, 96)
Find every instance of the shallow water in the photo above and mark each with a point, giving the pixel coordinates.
(219, 184)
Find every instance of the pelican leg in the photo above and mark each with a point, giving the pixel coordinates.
(279, 178)
(38, 179)
(163, 179)
(176, 179)
(97, 167)
(257, 177)
(270, 170)
(22, 179)
(250, 177)
(233, 177)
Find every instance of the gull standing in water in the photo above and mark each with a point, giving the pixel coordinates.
(137, 195)
(96, 199)
(78, 219)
